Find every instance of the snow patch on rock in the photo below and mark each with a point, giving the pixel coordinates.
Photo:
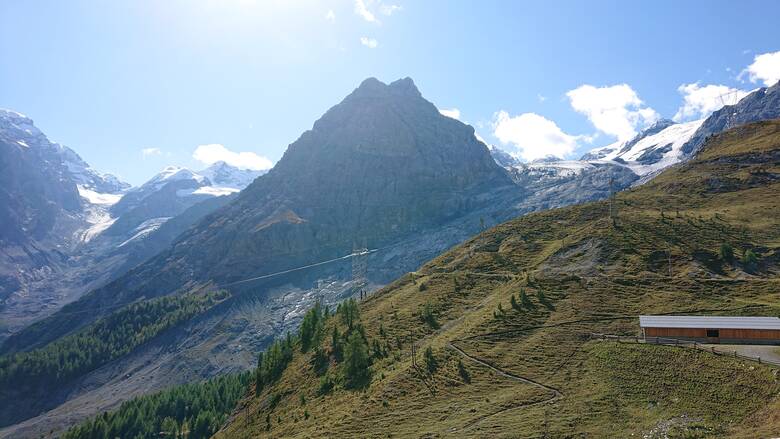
(145, 229)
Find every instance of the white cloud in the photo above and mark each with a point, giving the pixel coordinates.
(371, 43)
(701, 101)
(389, 9)
(149, 152)
(362, 10)
(615, 110)
(533, 135)
(541, 98)
(212, 153)
(765, 67)
(452, 112)
(330, 16)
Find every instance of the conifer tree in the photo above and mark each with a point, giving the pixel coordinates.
(356, 360)
(513, 302)
(524, 300)
(726, 252)
(430, 360)
(749, 259)
(336, 344)
(463, 372)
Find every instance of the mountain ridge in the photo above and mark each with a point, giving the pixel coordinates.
(501, 324)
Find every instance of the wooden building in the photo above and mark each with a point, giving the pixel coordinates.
(713, 329)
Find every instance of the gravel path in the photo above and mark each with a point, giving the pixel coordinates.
(768, 353)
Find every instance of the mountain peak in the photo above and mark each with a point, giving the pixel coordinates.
(659, 125)
(17, 125)
(405, 86)
(372, 87)
(226, 175)
(549, 158)
(171, 173)
(219, 165)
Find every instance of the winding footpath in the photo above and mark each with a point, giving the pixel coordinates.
(555, 394)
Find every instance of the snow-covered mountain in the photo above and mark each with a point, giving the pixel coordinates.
(50, 199)
(654, 149)
(170, 179)
(223, 175)
(67, 228)
(667, 143)
(24, 133)
(172, 191)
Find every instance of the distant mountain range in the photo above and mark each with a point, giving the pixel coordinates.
(659, 146)
(67, 228)
(382, 171)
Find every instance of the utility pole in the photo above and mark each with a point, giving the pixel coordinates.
(612, 209)
(359, 267)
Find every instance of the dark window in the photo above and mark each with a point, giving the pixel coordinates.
(713, 333)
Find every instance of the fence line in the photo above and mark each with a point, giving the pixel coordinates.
(680, 343)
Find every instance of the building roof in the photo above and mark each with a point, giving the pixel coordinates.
(711, 322)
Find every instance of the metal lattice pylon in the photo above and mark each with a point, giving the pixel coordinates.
(730, 97)
(359, 268)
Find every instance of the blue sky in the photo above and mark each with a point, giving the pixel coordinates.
(136, 85)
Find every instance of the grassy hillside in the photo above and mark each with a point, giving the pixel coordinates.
(532, 370)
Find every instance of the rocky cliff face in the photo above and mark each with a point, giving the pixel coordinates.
(35, 187)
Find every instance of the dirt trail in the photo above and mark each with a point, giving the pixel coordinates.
(554, 393)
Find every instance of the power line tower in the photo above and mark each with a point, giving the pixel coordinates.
(612, 206)
(359, 268)
(730, 97)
